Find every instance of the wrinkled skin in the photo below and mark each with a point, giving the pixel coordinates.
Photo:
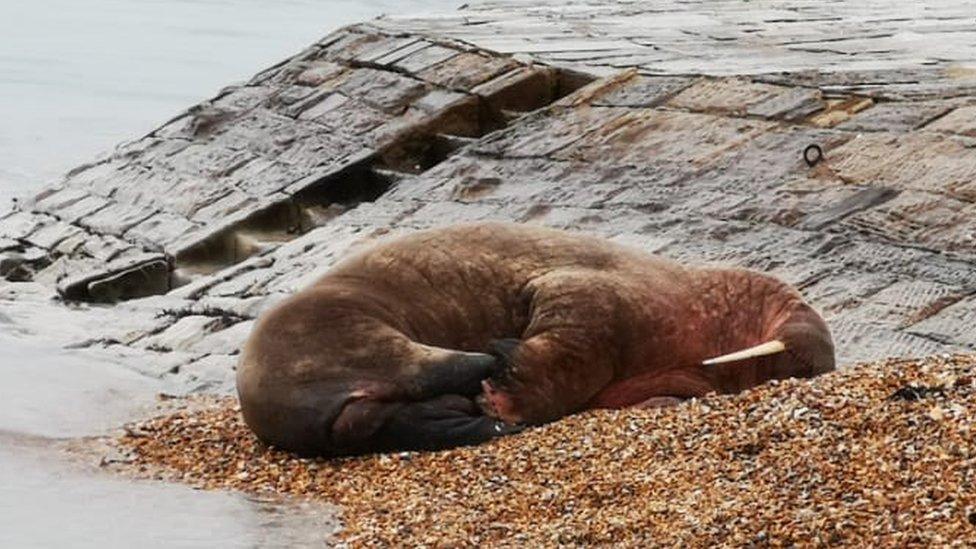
(457, 335)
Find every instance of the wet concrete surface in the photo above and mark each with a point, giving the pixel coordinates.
(49, 498)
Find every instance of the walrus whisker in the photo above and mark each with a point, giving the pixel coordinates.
(763, 349)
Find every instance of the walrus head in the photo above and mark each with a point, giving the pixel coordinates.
(800, 346)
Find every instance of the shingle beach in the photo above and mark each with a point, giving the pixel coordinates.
(880, 452)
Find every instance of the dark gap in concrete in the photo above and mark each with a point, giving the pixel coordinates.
(530, 90)
(568, 81)
(142, 279)
(417, 154)
(335, 194)
(281, 222)
(349, 187)
(276, 223)
(534, 90)
(19, 262)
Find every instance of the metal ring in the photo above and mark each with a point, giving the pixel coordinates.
(812, 155)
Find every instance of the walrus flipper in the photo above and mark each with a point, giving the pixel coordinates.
(443, 422)
(566, 354)
(504, 352)
(457, 373)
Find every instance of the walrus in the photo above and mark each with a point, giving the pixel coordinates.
(453, 336)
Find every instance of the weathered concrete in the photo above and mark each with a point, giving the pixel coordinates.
(871, 47)
(678, 128)
(253, 165)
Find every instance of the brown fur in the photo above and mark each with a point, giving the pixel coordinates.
(599, 325)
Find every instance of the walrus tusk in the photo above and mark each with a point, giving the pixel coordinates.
(763, 349)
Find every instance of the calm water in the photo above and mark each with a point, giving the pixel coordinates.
(78, 76)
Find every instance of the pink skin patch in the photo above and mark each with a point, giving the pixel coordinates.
(497, 404)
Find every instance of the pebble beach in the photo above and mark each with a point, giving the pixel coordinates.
(876, 453)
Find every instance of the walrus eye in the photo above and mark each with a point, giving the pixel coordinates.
(763, 349)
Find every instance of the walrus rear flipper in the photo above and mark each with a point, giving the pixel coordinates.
(446, 421)
(443, 422)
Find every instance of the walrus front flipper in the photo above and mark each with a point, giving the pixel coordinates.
(566, 354)
(443, 422)
(452, 372)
